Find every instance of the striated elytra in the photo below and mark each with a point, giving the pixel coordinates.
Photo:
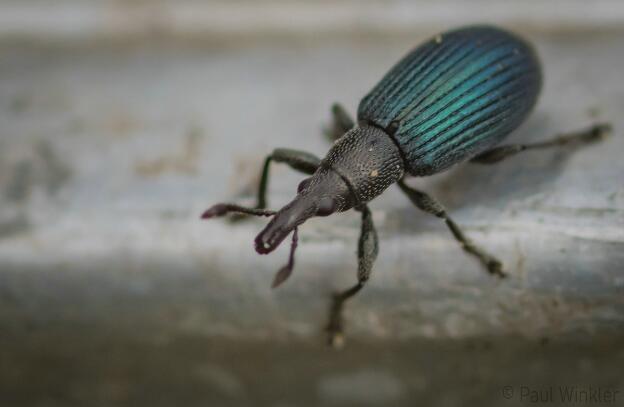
(450, 100)
(455, 96)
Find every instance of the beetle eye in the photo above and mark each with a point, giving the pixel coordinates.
(303, 185)
(326, 206)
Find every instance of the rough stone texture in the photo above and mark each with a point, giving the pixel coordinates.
(112, 292)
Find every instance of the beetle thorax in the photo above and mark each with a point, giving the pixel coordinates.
(368, 160)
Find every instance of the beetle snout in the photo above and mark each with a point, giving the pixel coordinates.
(287, 219)
(271, 237)
(320, 195)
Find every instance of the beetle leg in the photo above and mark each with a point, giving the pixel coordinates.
(368, 248)
(341, 123)
(595, 133)
(222, 209)
(430, 205)
(297, 160)
(300, 161)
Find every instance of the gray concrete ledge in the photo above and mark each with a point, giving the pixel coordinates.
(108, 157)
(113, 292)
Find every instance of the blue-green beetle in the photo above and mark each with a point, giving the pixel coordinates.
(450, 100)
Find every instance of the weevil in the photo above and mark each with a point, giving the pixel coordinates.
(450, 100)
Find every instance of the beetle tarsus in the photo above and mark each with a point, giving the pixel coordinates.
(334, 329)
(335, 326)
(495, 267)
(598, 132)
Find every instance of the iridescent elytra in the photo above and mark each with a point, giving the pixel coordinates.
(452, 99)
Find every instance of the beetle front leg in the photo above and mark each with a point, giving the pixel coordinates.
(595, 133)
(341, 123)
(298, 160)
(430, 205)
(368, 248)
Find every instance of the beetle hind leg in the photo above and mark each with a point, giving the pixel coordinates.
(428, 204)
(592, 134)
(368, 247)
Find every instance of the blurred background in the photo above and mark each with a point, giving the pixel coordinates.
(122, 120)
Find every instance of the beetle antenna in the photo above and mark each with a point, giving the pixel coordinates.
(285, 272)
(223, 209)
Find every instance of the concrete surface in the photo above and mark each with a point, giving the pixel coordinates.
(112, 292)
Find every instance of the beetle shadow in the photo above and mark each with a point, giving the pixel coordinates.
(496, 185)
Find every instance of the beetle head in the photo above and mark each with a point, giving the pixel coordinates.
(322, 194)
